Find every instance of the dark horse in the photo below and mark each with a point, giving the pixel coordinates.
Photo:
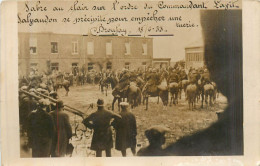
(57, 83)
(132, 94)
(157, 91)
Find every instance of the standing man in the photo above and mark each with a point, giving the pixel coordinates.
(125, 130)
(63, 131)
(99, 121)
(40, 130)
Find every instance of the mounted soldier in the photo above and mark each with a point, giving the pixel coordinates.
(124, 81)
(153, 80)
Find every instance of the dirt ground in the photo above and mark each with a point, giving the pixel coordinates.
(179, 119)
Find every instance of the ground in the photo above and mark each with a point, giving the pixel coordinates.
(179, 119)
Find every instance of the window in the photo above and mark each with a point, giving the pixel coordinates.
(144, 65)
(90, 48)
(127, 48)
(90, 66)
(75, 47)
(54, 66)
(127, 65)
(109, 48)
(74, 65)
(54, 47)
(33, 45)
(109, 65)
(34, 65)
(144, 48)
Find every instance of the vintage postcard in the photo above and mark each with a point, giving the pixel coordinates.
(134, 79)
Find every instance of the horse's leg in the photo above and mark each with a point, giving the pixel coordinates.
(170, 99)
(206, 99)
(202, 98)
(67, 90)
(146, 103)
(119, 101)
(158, 99)
(106, 90)
(114, 100)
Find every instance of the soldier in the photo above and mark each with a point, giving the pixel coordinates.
(156, 138)
(173, 77)
(124, 81)
(99, 121)
(40, 130)
(126, 130)
(152, 80)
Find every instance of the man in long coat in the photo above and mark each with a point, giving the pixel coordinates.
(40, 131)
(125, 130)
(63, 131)
(99, 121)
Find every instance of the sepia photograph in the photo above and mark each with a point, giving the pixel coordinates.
(99, 80)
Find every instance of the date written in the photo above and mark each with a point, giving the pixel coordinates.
(146, 28)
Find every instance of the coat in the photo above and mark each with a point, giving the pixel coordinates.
(40, 133)
(63, 133)
(126, 131)
(102, 136)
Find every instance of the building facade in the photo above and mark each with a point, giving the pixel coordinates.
(63, 52)
(194, 57)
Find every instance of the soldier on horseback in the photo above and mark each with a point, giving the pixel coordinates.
(153, 79)
(124, 81)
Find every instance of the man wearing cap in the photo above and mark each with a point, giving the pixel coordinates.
(156, 138)
(40, 131)
(53, 95)
(99, 121)
(63, 131)
(125, 130)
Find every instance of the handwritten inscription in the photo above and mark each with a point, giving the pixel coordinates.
(112, 17)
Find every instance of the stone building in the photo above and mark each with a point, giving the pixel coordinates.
(63, 52)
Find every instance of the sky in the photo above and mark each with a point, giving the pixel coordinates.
(163, 46)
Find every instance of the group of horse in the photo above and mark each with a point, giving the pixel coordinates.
(139, 91)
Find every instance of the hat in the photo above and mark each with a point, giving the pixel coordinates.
(32, 90)
(32, 93)
(42, 85)
(24, 87)
(44, 102)
(39, 89)
(100, 102)
(59, 104)
(46, 92)
(156, 131)
(53, 93)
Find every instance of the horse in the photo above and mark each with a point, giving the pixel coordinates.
(174, 90)
(157, 91)
(183, 85)
(209, 93)
(191, 93)
(60, 83)
(132, 94)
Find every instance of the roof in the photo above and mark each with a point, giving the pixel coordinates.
(195, 44)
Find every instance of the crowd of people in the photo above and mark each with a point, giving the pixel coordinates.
(49, 132)
(48, 128)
